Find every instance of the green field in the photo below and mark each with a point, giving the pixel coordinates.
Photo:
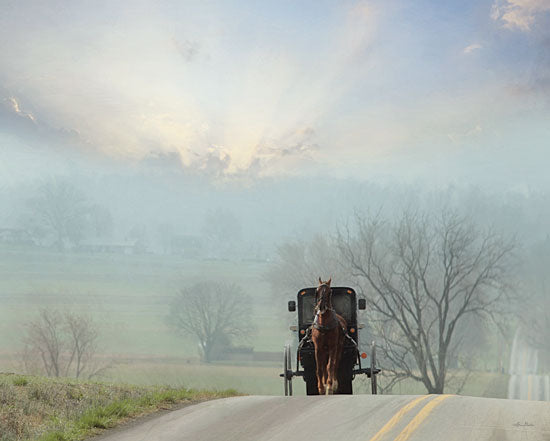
(128, 295)
(129, 298)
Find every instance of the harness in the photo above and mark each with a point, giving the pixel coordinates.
(325, 328)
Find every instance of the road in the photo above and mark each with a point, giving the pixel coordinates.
(348, 418)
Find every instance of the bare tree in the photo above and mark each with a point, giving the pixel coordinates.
(300, 262)
(60, 209)
(100, 220)
(82, 339)
(45, 341)
(423, 276)
(213, 313)
(61, 344)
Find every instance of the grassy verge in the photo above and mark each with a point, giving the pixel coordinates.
(36, 408)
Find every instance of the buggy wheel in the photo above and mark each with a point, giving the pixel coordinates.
(373, 381)
(287, 371)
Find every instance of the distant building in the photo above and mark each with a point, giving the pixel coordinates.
(16, 236)
(102, 246)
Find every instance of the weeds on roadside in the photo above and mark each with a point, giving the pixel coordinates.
(45, 409)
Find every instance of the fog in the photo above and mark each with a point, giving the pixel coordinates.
(146, 147)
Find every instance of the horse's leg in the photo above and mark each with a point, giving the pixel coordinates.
(324, 364)
(337, 358)
(332, 382)
(321, 367)
(326, 372)
(330, 359)
(334, 372)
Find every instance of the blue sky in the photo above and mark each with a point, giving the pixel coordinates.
(443, 91)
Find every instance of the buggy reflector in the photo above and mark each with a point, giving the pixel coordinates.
(352, 330)
(363, 355)
(349, 291)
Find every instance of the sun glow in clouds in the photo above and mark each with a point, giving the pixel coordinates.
(265, 89)
(243, 92)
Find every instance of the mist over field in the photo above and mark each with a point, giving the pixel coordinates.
(149, 151)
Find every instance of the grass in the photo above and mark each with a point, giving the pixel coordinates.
(20, 381)
(44, 409)
(251, 379)
(128, 295)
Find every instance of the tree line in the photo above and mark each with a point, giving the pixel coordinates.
(60, 215)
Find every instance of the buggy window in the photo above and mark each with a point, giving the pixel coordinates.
(340, 301)
(342, 305)
(308, 305)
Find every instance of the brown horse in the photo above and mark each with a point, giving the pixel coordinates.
(328, 335)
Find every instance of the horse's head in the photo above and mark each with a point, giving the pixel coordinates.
(323, 296)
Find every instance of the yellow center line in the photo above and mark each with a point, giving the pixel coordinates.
(421, 416)
(395, 419)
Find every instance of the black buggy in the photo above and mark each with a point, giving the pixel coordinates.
(345, 302)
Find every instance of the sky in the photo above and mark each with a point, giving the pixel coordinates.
(443, 91)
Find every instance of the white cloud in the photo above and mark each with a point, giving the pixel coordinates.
(472, 47)
(14, 104)
(518, 14)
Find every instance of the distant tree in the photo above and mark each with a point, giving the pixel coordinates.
(213, 313)
(299, 264)
(423, 277)
(61, 344)
(100, 221)
(222, 230)
(60, 209)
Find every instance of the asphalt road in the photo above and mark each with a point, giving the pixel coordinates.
(348, 418)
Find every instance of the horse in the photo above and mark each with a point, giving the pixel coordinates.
(328, 334)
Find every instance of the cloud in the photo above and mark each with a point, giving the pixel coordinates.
(213, 163)
(298, 142)
(13, 104)
(189, 50)
(33, 130)
(159, 78)
(163, 160)
(519, 14)
(474, 46)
